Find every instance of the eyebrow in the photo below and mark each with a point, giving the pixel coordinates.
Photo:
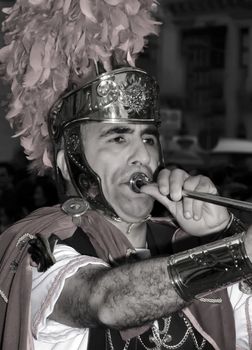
(127, 130)
(117, 130)
(150, 130)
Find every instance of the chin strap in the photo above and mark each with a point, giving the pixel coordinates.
(131, 224)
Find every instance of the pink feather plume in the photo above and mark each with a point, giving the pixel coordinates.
(49, 45)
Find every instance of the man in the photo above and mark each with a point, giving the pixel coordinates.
(94, 285)
(80, 292)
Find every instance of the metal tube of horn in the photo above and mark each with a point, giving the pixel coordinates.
(138, 180)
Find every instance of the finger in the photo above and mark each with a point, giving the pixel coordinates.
(153, 191)
(194, 207)
(163, 181)
(188, 208)
(177, 179)
(199, 184)
(204, 185)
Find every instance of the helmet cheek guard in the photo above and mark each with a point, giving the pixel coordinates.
(86, 182)
(126, 95)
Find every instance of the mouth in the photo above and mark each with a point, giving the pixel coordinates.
(134, 181)
(138, 180)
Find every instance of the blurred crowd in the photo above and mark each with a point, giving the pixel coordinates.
(235, 181)
(21, 193)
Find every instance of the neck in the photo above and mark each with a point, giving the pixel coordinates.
(136, 233)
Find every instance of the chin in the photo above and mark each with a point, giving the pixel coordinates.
(133, 209)
(131, 215)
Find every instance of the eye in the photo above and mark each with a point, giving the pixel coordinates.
(118, 139)
(149, 140)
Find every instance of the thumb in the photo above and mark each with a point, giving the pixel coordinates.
(153, 191)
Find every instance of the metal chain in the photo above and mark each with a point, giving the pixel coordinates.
(167, 323)
(189, 327)
(109, 337)
(162, 342)
(159, 343)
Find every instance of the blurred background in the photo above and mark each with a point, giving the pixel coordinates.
(202, 60)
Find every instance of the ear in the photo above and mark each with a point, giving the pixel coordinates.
(61, 163)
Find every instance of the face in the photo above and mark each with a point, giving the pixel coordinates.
(115, 152)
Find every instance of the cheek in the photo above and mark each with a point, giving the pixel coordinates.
(110, 171)
(109, 184)
(155, 158)
(105, 167)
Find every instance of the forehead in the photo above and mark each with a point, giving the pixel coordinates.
(104, 129)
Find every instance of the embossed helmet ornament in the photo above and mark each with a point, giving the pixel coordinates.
(125, 95)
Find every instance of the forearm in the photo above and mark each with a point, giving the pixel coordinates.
(122, 297)
(137, 293)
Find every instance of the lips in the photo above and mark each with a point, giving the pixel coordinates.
(126, 178)
(138, 180)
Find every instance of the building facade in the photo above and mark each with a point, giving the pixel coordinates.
(206, 64)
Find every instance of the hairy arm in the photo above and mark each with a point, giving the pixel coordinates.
(121, 297)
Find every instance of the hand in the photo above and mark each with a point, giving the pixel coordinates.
(195, 217)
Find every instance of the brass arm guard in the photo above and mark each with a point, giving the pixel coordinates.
(199, 271)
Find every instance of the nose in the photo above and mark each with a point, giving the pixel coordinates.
(139, 154)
